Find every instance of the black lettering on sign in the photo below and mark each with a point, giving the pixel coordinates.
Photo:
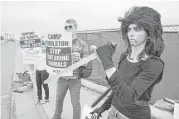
(56, 71)
(55, 51)
(31, 37)
(28, 33)
(58, 51)
(57, 64)
(58, 57)
(29, 41)
(58, 43)
(54, 36)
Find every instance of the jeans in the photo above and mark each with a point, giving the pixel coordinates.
(42, 75)
(74, 86)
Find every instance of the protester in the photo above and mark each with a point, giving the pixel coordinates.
(73, 83)
(140, 67)
(42, 75)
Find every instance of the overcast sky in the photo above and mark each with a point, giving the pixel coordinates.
(44, 16)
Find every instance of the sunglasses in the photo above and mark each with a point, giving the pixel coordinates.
(68, 27)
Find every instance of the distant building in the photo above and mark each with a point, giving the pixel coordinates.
(166, 28)
(171, 28)
(7, 37)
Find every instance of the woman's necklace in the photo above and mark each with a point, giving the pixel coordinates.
(133, 60)
(129, 56)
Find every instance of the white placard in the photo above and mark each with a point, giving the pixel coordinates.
(59, 53)
(31, 47)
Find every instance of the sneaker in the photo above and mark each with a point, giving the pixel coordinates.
(42, 102)
(39, 102)
(46, 100)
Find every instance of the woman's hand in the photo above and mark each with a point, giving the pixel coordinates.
(97, 111)
(105, 54)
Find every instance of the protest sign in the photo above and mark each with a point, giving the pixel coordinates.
(31, 46)
(59, 53)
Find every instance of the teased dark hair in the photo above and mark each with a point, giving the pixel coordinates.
(150, 20)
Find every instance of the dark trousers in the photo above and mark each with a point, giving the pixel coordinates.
(41, 76)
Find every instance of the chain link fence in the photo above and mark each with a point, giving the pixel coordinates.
(170, 57)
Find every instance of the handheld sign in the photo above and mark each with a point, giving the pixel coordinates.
(59, 53)
(31, 46)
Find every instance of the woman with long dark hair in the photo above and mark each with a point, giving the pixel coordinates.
(139, 69)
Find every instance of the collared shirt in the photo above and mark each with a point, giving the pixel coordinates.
(79, 50)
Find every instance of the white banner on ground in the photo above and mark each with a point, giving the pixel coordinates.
(31, 46)
(59, 53)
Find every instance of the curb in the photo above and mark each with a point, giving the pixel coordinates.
(13, 110)
(6, 106)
